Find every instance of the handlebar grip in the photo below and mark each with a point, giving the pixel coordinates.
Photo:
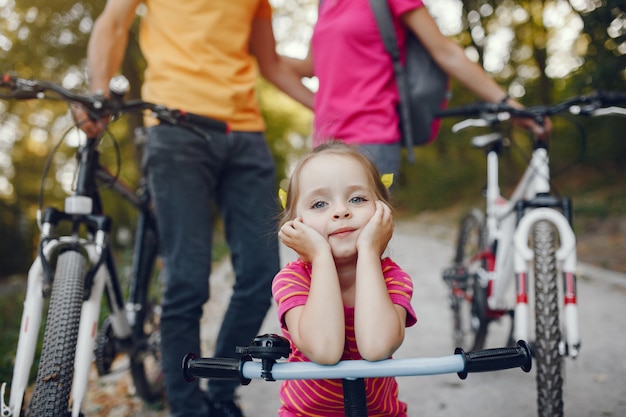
(496, 359)
(214, 368)
(613, 97)
(467, 110)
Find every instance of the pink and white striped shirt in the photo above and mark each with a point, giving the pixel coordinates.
(324, 398)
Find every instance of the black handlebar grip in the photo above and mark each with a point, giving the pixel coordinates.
(214, 368)
(496, 359)
(466, 110)
(613, 97)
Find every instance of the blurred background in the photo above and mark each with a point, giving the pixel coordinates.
(542, 50)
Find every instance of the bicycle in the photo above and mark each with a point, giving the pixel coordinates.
(259, 361)
(75, 269)
(497, 244)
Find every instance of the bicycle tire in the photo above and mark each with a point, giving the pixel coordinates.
(145, 363)
(548, 359)
(470, 303)
(54, 376)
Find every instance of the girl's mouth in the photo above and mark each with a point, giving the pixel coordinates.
(341, 232)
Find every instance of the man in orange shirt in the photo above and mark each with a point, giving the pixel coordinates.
(202, 57)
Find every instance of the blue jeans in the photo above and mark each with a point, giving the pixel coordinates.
(188, 178)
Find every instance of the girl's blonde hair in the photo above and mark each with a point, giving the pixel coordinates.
(339, 149)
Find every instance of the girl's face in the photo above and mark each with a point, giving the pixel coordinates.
(337, 200)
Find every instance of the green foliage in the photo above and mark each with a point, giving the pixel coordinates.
(604, 65)
(288, 126)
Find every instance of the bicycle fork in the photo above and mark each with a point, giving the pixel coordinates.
(566, 256)
(30, 325)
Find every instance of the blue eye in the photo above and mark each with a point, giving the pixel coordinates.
(318, 204)
(357, 200)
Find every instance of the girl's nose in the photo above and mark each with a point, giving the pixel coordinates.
(341, 212)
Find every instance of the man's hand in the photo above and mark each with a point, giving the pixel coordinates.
(92, 128)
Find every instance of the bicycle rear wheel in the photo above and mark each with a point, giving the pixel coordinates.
(547, 323)
(56, 367)
(145, 361)
(468, 296)
(145, 364)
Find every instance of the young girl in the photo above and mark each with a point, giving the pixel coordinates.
(339, 300)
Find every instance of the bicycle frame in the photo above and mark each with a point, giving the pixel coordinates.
(509, 224)
(80, 211)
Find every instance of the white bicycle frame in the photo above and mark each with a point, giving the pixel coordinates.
(513, 256)
(31, 322)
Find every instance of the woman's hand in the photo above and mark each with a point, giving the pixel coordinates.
(306, 241)
(538, 130)
(378, 231)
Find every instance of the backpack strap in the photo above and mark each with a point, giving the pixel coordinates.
(382, 13)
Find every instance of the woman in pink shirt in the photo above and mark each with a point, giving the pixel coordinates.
(339, 300)
(357, 97)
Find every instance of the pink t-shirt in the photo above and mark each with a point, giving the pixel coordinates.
(357, 96)
(324, 398)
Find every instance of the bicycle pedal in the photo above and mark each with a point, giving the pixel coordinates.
(496, 314)
(456, 275)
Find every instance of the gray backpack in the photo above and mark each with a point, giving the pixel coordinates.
(422, 84)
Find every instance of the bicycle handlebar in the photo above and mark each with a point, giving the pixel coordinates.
(488, 114)
(98, 106)
(462, 363)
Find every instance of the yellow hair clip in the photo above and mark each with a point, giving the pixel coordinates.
(282, 196)
(387, 180)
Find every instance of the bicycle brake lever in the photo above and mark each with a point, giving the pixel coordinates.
(610, 111)
(21, 88)
(464, 124)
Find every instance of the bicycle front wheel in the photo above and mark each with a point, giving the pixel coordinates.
(547, 323)
(469, 297)
(56, 367)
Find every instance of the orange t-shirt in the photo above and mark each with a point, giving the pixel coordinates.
(198, 59)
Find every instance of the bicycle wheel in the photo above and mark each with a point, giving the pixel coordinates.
(145, 363)
(547, 323)
(56, 366)
(469, 297)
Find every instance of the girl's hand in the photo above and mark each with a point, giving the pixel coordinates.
(303, 239)
(378, 231)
